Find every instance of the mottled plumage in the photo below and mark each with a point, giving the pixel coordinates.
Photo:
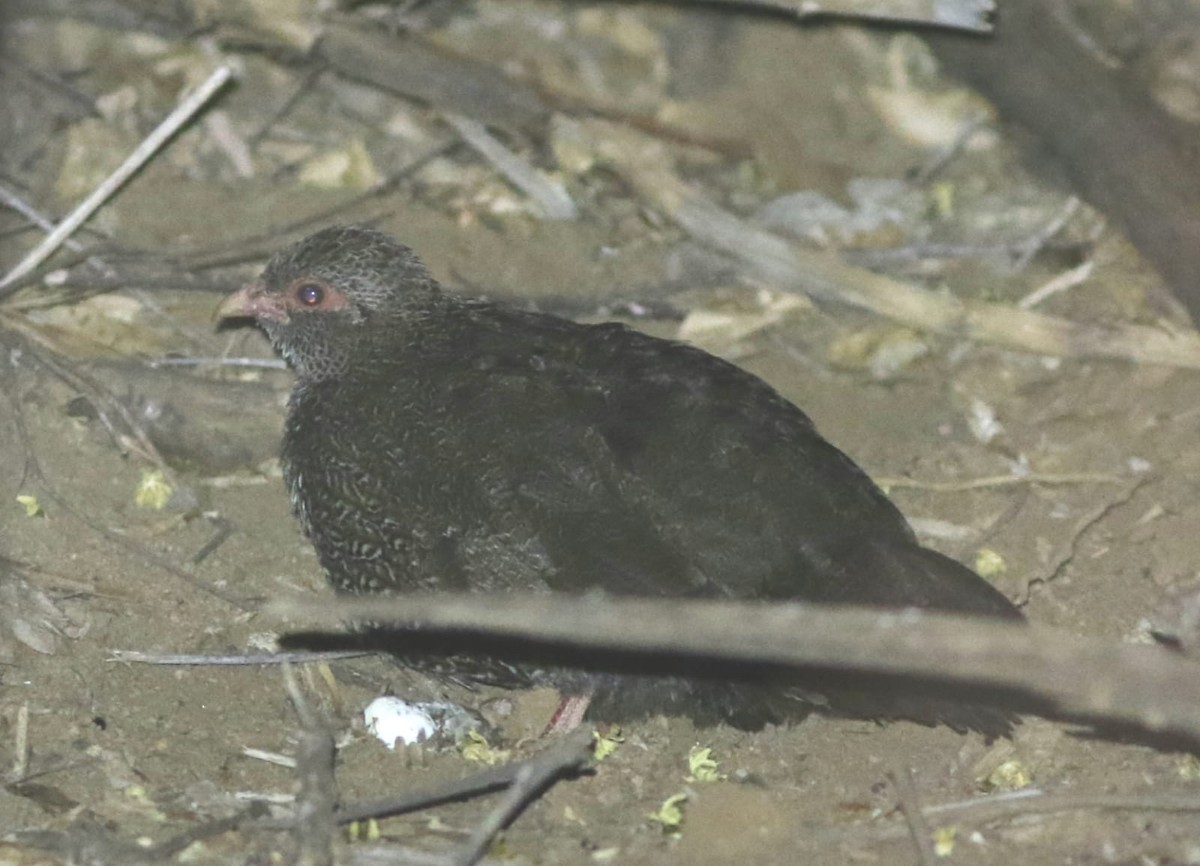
(437, 443)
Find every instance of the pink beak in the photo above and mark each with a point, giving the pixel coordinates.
(252, 301)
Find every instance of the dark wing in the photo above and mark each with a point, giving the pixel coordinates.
(582, 457)
(658, 469)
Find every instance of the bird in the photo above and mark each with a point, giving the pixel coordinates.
(439, 443)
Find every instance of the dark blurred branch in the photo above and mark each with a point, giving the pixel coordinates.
(1145, 686)
(411, 67)
(1121, 151)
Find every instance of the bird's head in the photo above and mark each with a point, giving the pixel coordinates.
(339, 293)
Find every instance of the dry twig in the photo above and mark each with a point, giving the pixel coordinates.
(190, 104)
(568, 756)
(316, 800)
(532, 778)
(1010, 805)
(230, 659)
(906, 795)
(550, 196)
(974, 15)
(988, 481)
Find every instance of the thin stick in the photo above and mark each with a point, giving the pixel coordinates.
(485, 782)
(568, 756)
(14, 201)
(167, 850)
(43, 222)
(551, 196)
(190, 104)
(906, 795)
(532, 779)
(230, 660)
(1034, 244)
(970, 15)
(197, 361)
(988, 481)
(270, 758)
(316, 801)
(1041, 803)
(1018, 804)
(940, 160)
(21, 744)
(1066, 280)
(223, 531)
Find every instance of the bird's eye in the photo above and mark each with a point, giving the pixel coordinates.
(310, 294)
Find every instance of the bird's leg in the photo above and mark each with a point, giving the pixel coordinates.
(569, 715)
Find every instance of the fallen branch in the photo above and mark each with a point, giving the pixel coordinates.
(645, 164)
(551, 197)
(1146, 686)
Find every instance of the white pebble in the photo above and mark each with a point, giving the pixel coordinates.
(393, 721)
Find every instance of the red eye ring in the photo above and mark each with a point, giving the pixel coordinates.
(310, 294)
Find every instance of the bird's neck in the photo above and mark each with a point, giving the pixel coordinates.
(376, 349)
